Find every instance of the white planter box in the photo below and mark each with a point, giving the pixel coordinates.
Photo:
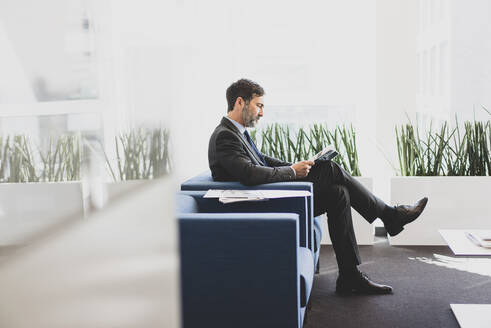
(117, 268)
(364, 231)
(27, 209)
(115, 189)
(454, 203)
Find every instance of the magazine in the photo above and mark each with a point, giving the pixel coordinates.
(324, 155)
(232, 196)
(480, 238)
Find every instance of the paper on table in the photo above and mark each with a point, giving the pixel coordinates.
(480, 238)
(461, 245)
(485, 235)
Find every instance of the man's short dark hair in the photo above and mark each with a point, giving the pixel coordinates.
(244, 88)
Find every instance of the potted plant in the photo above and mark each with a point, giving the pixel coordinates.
(38, 188)
(141, 154)
(452, 167)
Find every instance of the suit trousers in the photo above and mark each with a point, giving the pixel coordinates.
(335, 192)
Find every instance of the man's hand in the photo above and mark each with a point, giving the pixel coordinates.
(302, 168)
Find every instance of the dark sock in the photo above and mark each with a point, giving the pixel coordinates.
(388, 214)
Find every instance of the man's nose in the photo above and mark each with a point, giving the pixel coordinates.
(260, 112)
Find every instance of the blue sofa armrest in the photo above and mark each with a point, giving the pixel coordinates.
(296, 205)
(204, 181)
(242, 270)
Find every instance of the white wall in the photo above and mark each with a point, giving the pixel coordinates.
(396, 81)
(357, 57)
(184, 55)
(17, 87)
(470, 54)
(351, 60)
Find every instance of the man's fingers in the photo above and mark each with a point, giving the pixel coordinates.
(303, 168)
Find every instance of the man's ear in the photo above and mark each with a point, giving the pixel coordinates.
(239, 102)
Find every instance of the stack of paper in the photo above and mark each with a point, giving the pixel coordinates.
(231, 196)
(482, 239)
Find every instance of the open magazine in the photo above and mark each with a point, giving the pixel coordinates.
(324, 155)
(232, 196)
(482, 239)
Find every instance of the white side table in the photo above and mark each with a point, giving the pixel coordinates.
(461, 245)
(472, 315)
(468, 315)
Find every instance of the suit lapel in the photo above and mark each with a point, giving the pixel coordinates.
(232, 127)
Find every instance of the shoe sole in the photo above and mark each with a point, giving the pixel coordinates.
(355, 292)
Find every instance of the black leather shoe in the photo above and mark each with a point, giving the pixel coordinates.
(405, 214)
(360, 284)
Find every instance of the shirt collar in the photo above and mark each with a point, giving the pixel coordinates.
(239, 126)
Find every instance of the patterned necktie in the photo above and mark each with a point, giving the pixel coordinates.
(248, 137)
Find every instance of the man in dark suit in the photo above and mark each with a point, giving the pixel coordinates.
(233, 156)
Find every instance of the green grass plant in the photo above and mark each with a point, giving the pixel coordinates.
(293, 145)
(60, 161)
(445, 152)
(142, 154)
(21, 161)
(4, 155)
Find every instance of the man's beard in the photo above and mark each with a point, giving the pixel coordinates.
(250, 120)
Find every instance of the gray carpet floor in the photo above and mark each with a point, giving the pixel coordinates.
(426, 280)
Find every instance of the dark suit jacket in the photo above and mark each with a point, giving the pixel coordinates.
(231, 158)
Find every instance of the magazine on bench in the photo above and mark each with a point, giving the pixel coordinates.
(232, 196)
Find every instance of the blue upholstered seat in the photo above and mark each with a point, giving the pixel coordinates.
(186, 204)
(310, 231)
(241, 269)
